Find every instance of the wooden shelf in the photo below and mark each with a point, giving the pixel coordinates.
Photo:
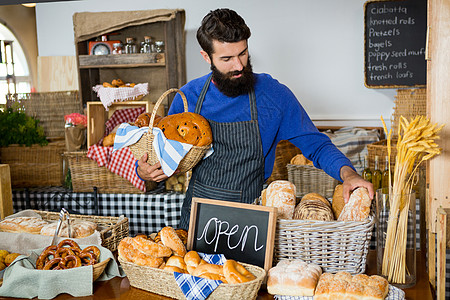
(122, 60)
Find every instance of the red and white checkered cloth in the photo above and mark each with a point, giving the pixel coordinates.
(122, 116)
(121, 162)
(109, 95)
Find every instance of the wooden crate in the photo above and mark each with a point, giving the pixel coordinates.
(36, 165)
(97, 116)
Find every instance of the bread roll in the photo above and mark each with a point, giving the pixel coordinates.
(338, 202)
(80, 229)
(143, 120)
(281, 194)
(129, 251)
(23, 224)
(187, 127)
(343, 285)
(170, 239)
(357, 207)
(293, 278)
(300, 159)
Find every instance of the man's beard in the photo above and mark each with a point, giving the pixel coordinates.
(233, 87)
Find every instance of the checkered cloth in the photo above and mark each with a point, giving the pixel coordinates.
(122, 116)
(196, 288)
(120, 162)
(394, 294)
(147, 213)
(109, 95)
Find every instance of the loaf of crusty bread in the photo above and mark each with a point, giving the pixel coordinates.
(23, 224)
(186, 127)
(313, 206)
(343, 285)
(293, 278)
(338, 202)
(281, 194)
(79, 228)
(357, 207)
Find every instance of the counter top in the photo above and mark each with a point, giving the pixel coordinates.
(119, 288)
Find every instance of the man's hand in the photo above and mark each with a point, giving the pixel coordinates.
(148, 172)
(351, 181)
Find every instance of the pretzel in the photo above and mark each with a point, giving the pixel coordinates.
(63, 252)
(44, 256)
(55, 262)
(92, 249)
(67, 242)
(87, 258)
(70, 261)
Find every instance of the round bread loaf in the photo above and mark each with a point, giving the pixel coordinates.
(80, 229)
(357, 207)
(313, 210)
(187, 127)
(316, 196)
(281, 194)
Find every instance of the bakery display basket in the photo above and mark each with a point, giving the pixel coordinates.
(309, 179)
(163, 282)
(112, 229)
(333, 245)
(145, 144)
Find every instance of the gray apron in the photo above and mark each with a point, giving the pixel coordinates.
(235, 171)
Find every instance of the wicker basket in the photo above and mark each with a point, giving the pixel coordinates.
(86, 174)
(112, 229)
(145, 144)
(34, 166)
(334, 245)
(49, 108)
(408, 103)
(98, 268)
(309, 179)
(162, 282)
(284, 152)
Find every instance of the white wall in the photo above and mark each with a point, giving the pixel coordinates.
(314, 47)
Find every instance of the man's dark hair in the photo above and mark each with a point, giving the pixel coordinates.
(224, 25)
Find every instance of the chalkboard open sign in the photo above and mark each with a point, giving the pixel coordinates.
(394, 43)
(243, 232)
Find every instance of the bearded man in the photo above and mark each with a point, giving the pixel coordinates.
(249, 114)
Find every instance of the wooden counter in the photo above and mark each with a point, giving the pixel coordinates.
(119, 288)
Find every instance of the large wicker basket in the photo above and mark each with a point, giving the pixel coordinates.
(112, 229)
(163, 282)
(145, 144)
(334, 245)
(34, 166)
(86, 175)
(309, 179)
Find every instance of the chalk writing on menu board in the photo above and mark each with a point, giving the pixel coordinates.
(395, 38)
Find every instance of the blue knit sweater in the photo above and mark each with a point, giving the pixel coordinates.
(280, 117)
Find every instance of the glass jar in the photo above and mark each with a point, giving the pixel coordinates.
(130, 46)
(399, 272)
(159, 46)
(117, 48)
(147, 45)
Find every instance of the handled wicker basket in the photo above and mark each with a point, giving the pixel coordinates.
(145, 144)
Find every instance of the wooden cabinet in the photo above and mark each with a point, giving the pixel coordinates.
(160, 70)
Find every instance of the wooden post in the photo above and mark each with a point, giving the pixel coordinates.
(441, 227)
(6, 206)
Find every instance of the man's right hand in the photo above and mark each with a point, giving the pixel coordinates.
(148, 172)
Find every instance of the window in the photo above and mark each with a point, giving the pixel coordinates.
(19, 68)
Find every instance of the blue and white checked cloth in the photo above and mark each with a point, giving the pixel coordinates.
(169, 152)
(394, 294)
(196, 288)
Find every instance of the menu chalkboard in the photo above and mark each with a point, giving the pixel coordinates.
(243, 232)
(395, 38)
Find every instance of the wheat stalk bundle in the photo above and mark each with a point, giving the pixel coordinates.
(415, 144)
